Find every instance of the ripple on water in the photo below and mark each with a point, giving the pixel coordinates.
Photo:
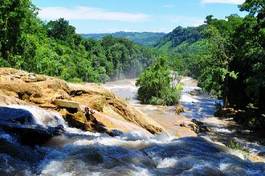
(187, 156)
(98, 154)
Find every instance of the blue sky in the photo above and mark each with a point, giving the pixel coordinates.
(100, 16)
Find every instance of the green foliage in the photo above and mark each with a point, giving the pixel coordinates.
(155, 85)
(180, 35)
(61, 30)
(228, 59)
(13, 19)
(254, 7)
(55, 49)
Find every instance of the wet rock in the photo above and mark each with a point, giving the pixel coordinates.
(16, 116)
(202, 128)
(189, 125)
(114, 133)
(179, 109)
(226, 112)
(21, 123)
(32, 134)
(83, 120)
(76, 120)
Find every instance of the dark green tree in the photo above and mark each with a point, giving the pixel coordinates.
(155, 85)
(61, 30)
(13, 16)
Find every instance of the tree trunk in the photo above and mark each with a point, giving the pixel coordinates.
(225, 93)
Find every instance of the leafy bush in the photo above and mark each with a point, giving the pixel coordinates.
(155, 85)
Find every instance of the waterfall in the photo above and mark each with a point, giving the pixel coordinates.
(83, 153)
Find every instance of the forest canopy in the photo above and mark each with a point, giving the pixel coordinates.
(54, 48)
(227, 57)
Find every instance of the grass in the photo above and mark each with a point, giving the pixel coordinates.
(236, 146)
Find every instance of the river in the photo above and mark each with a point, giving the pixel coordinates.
(84, 153)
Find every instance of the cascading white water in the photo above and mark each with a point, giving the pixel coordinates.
(41, 116)
(84, 154)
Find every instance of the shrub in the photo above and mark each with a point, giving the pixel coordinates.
(155, 85)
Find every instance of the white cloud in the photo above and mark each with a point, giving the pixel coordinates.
(222, 1)
(89, 13)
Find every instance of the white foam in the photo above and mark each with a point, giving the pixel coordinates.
(188, 99)
(223, 130)
(224, 166)
(166, 163)
(42, 117)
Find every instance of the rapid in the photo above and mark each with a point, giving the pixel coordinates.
(79, 153)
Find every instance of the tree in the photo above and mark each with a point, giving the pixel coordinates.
(217, 72)
(254, 7)
(250, 44)
(61, 30)
(56, 49)
(13, 15)
(155, 85)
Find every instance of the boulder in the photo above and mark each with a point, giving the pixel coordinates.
(84, 120)
(179, 109)
(201, 127)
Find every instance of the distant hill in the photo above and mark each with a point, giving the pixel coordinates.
(180, 36)
(142, 38)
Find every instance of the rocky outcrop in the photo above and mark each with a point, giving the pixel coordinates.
(86, 106)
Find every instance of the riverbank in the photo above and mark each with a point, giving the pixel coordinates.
(222, 130)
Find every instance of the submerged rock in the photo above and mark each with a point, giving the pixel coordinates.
(202, 128)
